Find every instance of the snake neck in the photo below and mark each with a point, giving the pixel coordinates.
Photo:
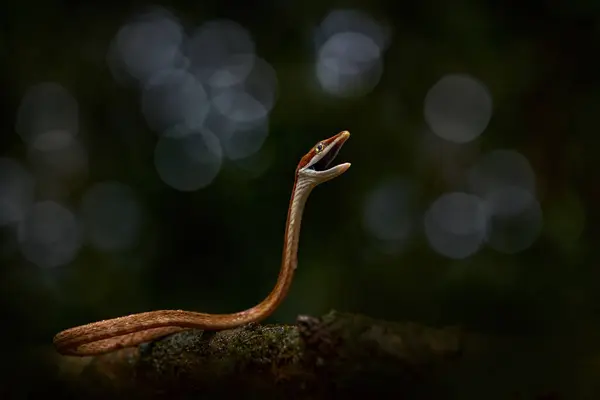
(289, 260)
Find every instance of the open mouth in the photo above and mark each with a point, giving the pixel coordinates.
(327, 159)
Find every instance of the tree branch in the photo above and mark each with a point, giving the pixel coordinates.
(335, 356)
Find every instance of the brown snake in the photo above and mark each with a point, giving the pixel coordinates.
(131, 330)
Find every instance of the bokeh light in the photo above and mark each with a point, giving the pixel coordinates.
(388, 212)
(515, 219)
(499, 210)
(208, 96)
(17, 187)
(501, 168)
(174, 102)
(251, 100)
(352, 20)
(210, 84)
(68, 161)
(240, 141)
(221, 53)
(188, 163)
(350, 48)
(112, 216)
(458, 108)
(455, 224)
(48, 123)
(49, 235)
(145, 46)
(506, 182)
(48, 117)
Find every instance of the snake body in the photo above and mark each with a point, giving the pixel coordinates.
(131, 330)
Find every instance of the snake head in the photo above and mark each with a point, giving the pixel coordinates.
(315, 164)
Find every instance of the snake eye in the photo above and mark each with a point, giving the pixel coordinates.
(319, 148)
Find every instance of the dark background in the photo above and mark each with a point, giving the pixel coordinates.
(217, 248)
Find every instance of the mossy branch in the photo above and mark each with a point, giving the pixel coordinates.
(336, 356)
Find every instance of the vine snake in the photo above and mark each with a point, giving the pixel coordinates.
(131, 330)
